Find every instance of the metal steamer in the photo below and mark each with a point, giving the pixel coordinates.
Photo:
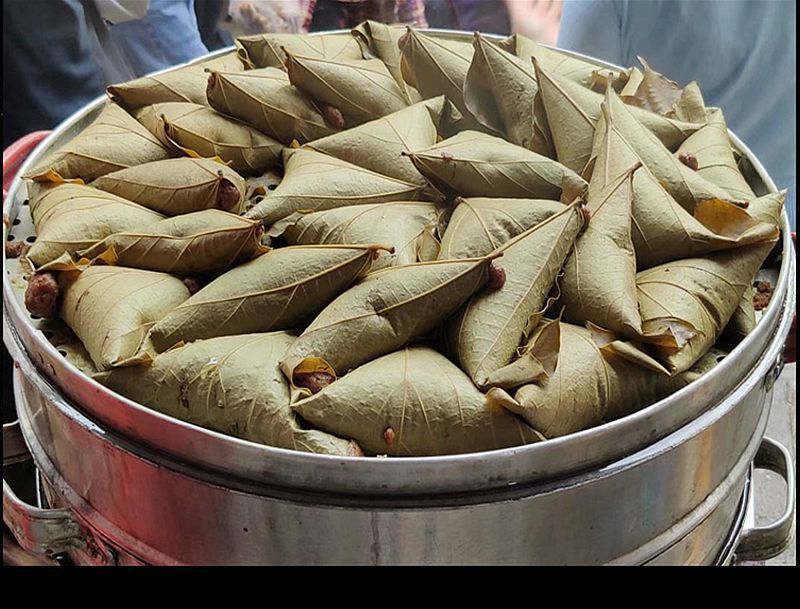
(126, 485)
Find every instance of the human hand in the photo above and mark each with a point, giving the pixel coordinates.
(258, 16)
(537, 19)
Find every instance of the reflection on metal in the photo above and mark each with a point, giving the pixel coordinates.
(763, 542)
(38, 531)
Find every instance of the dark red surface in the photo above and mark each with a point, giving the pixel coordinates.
(15, 155)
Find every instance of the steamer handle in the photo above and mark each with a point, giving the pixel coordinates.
(15, 155)
(40, 531)
(761, 543)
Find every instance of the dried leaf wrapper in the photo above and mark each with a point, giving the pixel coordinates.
(658, 94)
(700, 293)
(473, 164)
(362, 90)
(73, 217)
(276, 291)
(186, 84)
(573, 112)
(768, 208)
(266, 100)
(112, 142)
(178, 186)
(437, 67)
(494, 323)
(600, 274)
(552, 60)
(400, 225)
(535, 362)
(500, 92)
(316, 182)
(111, 309)
(385, 311)
(431, 407)
(199, 243)
(268, 50)
(662, 230)
(685, 185)
(198, 130)
(379, 145)
(602, 387)
(716, 163)
(230, 384)
(383, 41)
(480, 225)
(743, 320)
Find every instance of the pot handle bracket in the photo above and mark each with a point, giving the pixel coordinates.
(43, 533)
(763, 542)
(40, 532)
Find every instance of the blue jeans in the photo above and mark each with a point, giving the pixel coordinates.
(168, 35)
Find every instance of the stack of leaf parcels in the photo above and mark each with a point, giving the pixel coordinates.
(464, 245)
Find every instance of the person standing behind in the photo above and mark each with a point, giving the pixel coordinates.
(742, 53)
(165, 36)
(58, 55)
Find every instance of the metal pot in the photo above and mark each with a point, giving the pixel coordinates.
(665, 485)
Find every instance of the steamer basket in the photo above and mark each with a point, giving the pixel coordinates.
(663, 485)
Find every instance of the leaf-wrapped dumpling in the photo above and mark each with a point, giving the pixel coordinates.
(480, 225)
(437, 66)
(361, 90)
(473, 164)
(500, 91)
(379, 145)
(383, 312)
(413, 403)
(111, 309)
(589, 386)
(200, 243)
(662, 230)
(72, 217)
(383, 41)
(577, 70)
(685, 185)
(178, 186)
(573, 112)
(184, 84)
(400, 225)
(266, 100)
(495, 322)
(276, 291)
(700, 294)
(112, 142)
(315, 182)
(198, 130)
(268, 50)
(230, 384)
(600, 274)
(711, 149)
